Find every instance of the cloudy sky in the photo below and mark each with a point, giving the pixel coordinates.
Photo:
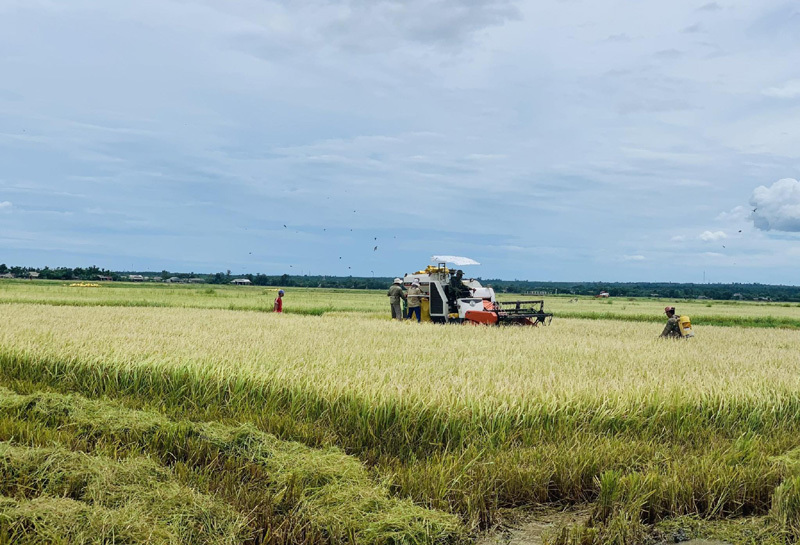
(551, 140)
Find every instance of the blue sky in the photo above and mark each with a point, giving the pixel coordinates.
(552, 140)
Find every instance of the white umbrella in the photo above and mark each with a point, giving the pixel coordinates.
(454, 259)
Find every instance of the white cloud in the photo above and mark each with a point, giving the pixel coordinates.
(5, 206)
(710, 236)
(450, 127)
(790, 89)
(738, 213)
(777, 207)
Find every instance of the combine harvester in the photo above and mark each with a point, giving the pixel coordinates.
(449, 297)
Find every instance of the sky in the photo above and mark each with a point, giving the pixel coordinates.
(564, 140)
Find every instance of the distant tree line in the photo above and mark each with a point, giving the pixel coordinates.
(307, 281)
(93, 273)
(614, 289)
(668, 290)
(60, 273)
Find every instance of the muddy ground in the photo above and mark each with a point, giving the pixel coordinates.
(531, 529)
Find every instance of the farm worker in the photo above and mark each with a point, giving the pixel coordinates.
(414, 300)
(278, 306)
(672, 330)
(396, 294)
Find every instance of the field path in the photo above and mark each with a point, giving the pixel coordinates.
(531, 529)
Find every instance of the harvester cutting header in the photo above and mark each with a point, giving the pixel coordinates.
(452, 298)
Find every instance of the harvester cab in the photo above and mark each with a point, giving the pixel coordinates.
(449, 297)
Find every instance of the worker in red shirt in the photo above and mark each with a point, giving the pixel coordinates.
(278, 306)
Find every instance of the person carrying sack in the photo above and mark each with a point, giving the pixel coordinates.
(678, 327)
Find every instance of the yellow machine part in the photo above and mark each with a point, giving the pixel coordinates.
(425, 310)
(425, 304)
(685, 325)
(430, 269)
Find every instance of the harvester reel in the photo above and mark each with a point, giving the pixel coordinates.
(523, 313)
(520, 313)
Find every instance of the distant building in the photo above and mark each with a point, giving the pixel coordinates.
(241, 281)
(703, 297)
(104, 278)
(136, 278)
(157, 279)
(173, 280)
(196, 281)
(738, 296)
(603, 294)
(7, 275)
(33, 274)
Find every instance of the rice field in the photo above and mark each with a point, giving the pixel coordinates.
(322, 301)
(724, 313)
(341, 426)
(305, 301)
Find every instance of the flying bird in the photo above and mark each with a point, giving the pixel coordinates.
(754, 209)
(284, 226)
(740, 230)
(375, 248)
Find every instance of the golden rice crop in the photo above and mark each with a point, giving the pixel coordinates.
(318, 301)
(283, 491)
(654, 308)
(191, 296)
(459, 418)
(601, 362)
